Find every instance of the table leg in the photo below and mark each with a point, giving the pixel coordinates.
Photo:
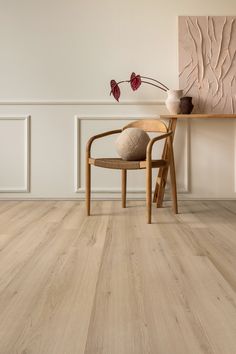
(163, 171)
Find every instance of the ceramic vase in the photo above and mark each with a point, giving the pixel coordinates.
(173, 101)
(186, 105)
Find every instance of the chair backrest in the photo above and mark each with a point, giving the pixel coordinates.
(148, 125)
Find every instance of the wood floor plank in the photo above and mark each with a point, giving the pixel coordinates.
(212, 301)
(110, 283)
(138, 303)
(217, 240)
(116, 325)
(14, 227)
(56, 286)
(173, 326)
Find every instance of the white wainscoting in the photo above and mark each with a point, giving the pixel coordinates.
(42, 153)
(15, 154)
(213, 149)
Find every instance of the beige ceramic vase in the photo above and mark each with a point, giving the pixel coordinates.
(173, 101)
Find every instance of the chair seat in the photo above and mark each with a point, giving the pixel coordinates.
(119, 164)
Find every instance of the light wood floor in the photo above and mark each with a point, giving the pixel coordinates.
(113, 284)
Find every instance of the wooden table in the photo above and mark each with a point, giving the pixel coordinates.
(163, 171)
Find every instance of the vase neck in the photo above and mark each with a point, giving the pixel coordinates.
(175, 93)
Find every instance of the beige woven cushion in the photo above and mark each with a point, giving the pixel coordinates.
(131, 144)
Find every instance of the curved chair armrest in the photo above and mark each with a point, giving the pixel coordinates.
(157, 138)
(98, 136)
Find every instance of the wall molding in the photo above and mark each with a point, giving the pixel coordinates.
(235, 156)
(77, 102)
(100, 191)
(26, 187)
(187, 186)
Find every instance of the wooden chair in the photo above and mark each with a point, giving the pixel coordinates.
(148, 164)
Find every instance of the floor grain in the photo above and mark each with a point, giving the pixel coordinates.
(110, 283)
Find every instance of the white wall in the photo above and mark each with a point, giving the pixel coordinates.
(56, 61)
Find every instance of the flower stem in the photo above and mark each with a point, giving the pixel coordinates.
(164, 88)
(149, 83)
(149, 78)
(121, 82)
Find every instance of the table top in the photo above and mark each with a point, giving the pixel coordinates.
(198, 116)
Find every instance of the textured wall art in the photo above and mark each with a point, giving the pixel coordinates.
(207, 62)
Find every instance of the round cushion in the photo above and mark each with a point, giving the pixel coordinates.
(131, 144)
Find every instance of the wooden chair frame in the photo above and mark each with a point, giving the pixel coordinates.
(148, 164)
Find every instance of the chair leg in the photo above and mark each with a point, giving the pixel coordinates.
(173, 180)
(149, 193)
(123, 187)
(88, 186)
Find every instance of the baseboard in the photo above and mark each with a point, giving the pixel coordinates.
(79, 198)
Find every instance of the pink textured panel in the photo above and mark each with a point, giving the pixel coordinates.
(207, 62)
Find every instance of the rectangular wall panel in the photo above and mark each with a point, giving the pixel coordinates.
(105, 181)
(212, 157)
(14, 154)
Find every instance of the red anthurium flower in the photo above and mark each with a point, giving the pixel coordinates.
(115, 90)
(135, 81)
